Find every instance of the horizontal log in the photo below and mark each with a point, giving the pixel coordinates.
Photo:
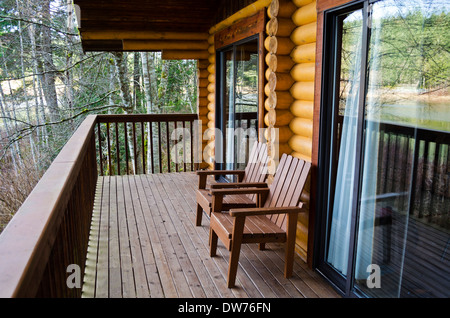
(211, 87)
(279, 45)
(203, 82)
(203, 101)
(282, 27)
(203, 119)
(211, 49)
(211, 116)
(272, 61)
(271, 44)
(202, 111)
(159, 45)
(243, 13)
(301, 126)
(304, 34)
(303, 90)
(212, 78)
(279, 81)
(142, 35)
(282, 99)
(211, 107)
(301, 144)
(211, 125)
(212, 97)
(202, 92)
(284, 63)
(285, 9)
(184, 55)
(305, 53)
(305, 14)
(203, 73)
(302, 108)
(278, 118)
(211, 68)
(202, 63)
(301, 156)
(301, 3)
(303, 72)
(278, 134)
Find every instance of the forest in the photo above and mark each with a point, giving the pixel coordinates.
(48, 85)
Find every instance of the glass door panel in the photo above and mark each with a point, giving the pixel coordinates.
(405, 155)
(239, 102)
(246, 101)
(344, 150)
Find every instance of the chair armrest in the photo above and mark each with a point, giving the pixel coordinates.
(264, 211)
(237, 191)
(219, 172)
(203, 174)
(239, 185)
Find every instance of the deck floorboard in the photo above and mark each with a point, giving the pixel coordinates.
(144, 243)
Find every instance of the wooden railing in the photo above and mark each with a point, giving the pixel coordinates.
(50, 232)
(145, 143)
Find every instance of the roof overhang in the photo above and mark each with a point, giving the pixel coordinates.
(145, 25)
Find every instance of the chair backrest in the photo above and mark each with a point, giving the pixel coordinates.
(256, 169)
(287, 186)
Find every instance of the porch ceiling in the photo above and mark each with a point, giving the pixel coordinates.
(104, 24)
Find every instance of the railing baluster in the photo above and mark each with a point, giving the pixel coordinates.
(184, 147)
(159, 145)
(117, 149)
(176, 148)
(134, 149)
(192, 143)
(126, 148)
(109, 149)
(168, 145)
(143, 148)
(150, 124)
(100, 148)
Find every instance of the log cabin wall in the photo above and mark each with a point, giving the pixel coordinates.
(302, 107)
(281, 91)
(290, 42)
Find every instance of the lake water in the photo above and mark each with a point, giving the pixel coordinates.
(434, 116)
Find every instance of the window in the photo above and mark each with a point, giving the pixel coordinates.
(384, 149)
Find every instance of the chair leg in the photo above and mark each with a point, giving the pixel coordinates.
(238, 231)
(198, 220)
(261, 246)
(290, 244)
(212, 242)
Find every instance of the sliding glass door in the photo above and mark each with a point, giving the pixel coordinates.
(238, 101)
(385, 155)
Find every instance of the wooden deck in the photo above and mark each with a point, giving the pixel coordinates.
(144, 243)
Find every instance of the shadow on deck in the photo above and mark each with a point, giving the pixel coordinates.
(144, 243)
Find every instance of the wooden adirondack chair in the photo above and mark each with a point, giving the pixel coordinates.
(254, 175)
(275, 221)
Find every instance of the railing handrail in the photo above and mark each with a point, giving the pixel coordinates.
(26, 242)
(130, 118)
